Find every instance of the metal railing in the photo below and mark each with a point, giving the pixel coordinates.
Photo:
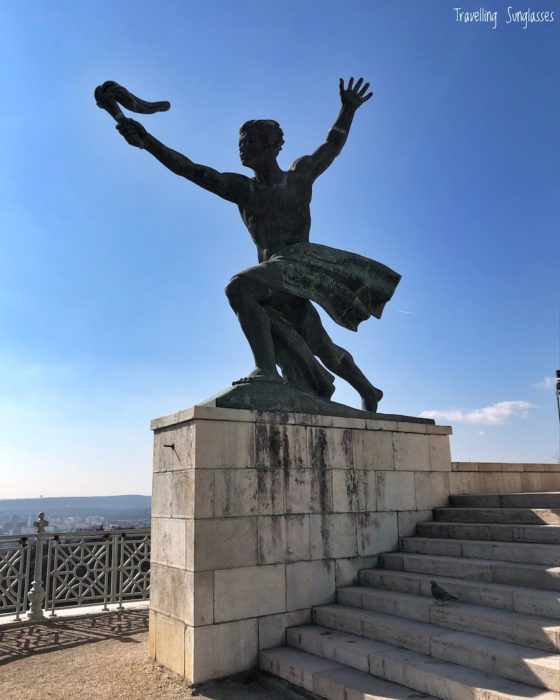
(51, 571)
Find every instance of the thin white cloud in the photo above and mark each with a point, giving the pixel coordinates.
(409, 313)
(501, 412)
(547, 383)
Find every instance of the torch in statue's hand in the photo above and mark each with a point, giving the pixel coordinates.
(110, 95)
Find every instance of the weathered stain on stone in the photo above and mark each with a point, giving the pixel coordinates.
(352, 486)
(347, 448)
(319, 448)
(269, 491)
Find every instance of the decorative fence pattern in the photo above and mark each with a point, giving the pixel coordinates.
(77, 568)
(15, 568)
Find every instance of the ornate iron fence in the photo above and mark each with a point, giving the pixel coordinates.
(77, 568)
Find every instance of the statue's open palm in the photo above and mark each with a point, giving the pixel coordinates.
(354, 95)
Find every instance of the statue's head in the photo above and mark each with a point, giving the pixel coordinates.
(258, 138)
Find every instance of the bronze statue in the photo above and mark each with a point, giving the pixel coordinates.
(273, 299)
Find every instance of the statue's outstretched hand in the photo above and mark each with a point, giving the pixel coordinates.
(133, 132)
(354, 95)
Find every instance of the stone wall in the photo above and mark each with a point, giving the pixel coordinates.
(498, 477)
(256, 517)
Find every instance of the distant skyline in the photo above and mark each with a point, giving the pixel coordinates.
(112, 306)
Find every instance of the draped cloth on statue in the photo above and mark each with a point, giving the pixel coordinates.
(349, 287)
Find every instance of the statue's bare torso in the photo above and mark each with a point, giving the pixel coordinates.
(278, 215)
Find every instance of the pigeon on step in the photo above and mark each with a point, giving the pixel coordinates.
(440, 594)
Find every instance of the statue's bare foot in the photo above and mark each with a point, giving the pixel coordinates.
(258, 375)
(371, 399)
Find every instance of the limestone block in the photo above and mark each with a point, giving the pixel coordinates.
(310, 583)
(170, 643)
(308, 491)
(412, 452)
(464, 466)
(425, 675)
(224, 444)
(250, 591)
(280, 446)
(221, 650)
(283, 538)
(174, 448)
(374, 424)
(439, 430)
(288, 664)
(347, 619)
(272, 628)
(168, 542)
(395, 490)
(330, 448)
(270, 491)
(532, 481)
(152, 620)
(353, 490)
(224, 543)
(432, 489)
(498, 467)
(239, 415)
(347, 570)
(376, 532)
(164, 497)
(410, 427)
(199, 608)
(440, 453)
(183, 494)
(235, 492)
(189, 545)
(555, 468)
(462, 482)
(373, 449)
(408, 519)
(333, 535)
(168, 591)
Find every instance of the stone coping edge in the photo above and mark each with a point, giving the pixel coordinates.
(504, 467)
(389, 422)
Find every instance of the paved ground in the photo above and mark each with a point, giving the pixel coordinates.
(98, 657)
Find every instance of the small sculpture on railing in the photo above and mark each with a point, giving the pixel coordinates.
(37, 593)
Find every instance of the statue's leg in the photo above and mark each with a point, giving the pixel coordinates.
(338, 360)
(247, 293)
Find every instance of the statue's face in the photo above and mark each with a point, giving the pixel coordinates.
(252, 147)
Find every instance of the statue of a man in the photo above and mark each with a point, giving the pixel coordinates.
(273, 299)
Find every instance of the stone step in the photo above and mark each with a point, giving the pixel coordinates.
(549, 499)
(527, 630)
(331, 680)
(515, 516)
(493, 595)
(512, 661)
(542, 534)
(487, 570)
(424, 674)
(519, 552)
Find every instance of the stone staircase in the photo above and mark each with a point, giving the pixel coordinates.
(388, 639)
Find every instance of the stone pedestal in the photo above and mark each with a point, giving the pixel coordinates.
(257, 517)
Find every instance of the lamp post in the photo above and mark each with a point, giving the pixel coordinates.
(37, 594)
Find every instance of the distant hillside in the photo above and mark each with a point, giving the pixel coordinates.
(121, 507)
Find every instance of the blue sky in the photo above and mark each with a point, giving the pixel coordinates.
(112, 274)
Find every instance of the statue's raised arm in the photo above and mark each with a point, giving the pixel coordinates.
(230, 186)
(352, 96)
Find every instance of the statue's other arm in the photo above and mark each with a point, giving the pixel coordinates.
(230, 186)
(352, 97)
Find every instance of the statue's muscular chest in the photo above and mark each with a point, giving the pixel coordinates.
(279, 212)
